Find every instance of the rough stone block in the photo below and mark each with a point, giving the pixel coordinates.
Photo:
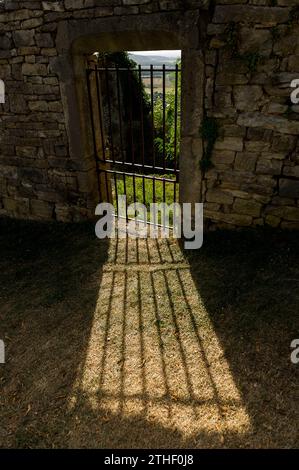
(230, 143)
(248, 98)
(272, 220)
(218, 196)
(23, 38)
(42, 209)
(247, 207)
(44, 40)
(34, 69)
(291, 171)
(245, 161)
(288, 188)
(283, 125)
(268, 167)
(250, 14)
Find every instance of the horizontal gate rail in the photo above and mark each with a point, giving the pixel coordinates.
(137, 175)
(139, 165)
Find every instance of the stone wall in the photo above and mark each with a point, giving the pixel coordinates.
(251, 54)
(251, 59)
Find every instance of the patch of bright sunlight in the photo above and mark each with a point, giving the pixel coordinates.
(153, 351)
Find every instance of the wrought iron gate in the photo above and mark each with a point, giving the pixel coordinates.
(133, 117)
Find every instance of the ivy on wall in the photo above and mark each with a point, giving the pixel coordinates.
(209, 132)
(252, 59)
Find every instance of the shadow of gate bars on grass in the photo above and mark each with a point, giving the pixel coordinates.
(134, 343)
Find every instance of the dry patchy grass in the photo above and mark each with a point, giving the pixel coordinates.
(129, 343)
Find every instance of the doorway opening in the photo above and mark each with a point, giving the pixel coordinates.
(135, 107)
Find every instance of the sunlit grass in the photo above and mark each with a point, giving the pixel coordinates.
(145, 191)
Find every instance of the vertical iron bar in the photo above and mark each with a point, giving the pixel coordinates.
(152, 112)
(164, 200)
(164, 117)
(142, 132)
(132, 132)
(88, 73)
(143, 188)
(109, 112)
(141, 115)
(131, 117)
(107, 187)
(100, 109)
(175, 118)
(174, 200)
(134, 188)
(154, 196)
(119, 115)
(125, 191)
(116, 192)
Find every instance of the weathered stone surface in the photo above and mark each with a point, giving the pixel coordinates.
(52, 5)
(247, 207)
(19, 207)
(269, 167)
(245, 161)
(279, 124)
(272, 220)
(42, 209)
(229, 143)
(225, 157)
(218, 196)
(44, 40)
(23, 38)
(135, 2)
(291, 171)
(231, 78)
(34, 69)
(284, 212)
(288, 188)
(275, 108)
(17, 103)
(254, 39)
(257, 146)
(248, 98)
(38, 105)
(26, 151)
(249, 14)
(235, 219)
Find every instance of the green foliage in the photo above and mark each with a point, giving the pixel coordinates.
(169, 123)
(209, 133)
(123, 60)
(252, 59)
(146, 188)
(231, 33)
(169, 127)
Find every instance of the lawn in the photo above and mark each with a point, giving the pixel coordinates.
(146, 190)
(135, 343)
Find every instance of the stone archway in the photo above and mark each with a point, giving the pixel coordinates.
(78, 38)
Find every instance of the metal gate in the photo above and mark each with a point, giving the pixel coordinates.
(135, 118)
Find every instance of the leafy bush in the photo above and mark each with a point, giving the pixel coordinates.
(170, 103)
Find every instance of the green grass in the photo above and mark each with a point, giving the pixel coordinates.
(144, 191)
(122, 344)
